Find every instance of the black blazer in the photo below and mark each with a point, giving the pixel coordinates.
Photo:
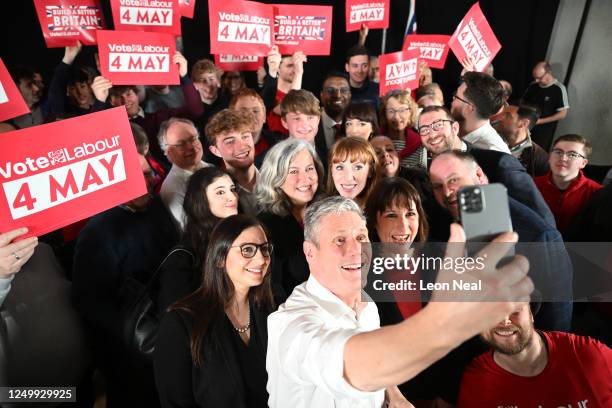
(218, 381)
(289, 267)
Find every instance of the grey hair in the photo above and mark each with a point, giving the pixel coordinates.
(466, 158)
(162, 134)
(274, 171)
(318, 210)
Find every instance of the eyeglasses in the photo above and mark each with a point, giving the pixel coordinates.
(392, 112)
(249, 250)
(183, 143)
(461, 99)
(436, 125)
(331, 90)
(541, 76)
(570, 155)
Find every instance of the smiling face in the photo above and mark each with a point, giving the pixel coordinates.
(207, 83)
(129, 99)
(397, 114)
(398, 223)
(358, 128)
(350, 178)
(358, 69)
(256, 107)
(184, 146)
(513, 334)
(448, 174)
(80, 94)
(222, 197)
(244, 272)
(335, 96)
(301, 125)
(561, 165)
(301, 182)
(236, 148)
(339, 258)
(388, 159)
(437, 141)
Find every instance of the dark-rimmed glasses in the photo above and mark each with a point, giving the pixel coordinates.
(436, 125)
(249, 249)
(461, 99)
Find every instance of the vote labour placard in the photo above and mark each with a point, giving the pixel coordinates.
(11, 101)
(159, 16)
(187, 7)
(433, 48)
(303, 28)
(475, 38)
(131, 58)
(399, 70)
(59, 173)
(375, 14)
(63, 22)
(240, 27)
(229, 62)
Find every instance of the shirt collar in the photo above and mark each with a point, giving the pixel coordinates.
(328, 122)
(330, 302)
(140, 114)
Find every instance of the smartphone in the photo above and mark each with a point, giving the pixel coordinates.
(484, 213)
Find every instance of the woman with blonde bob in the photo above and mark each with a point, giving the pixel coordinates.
(290, 178)
(352, 169)
(398, 115)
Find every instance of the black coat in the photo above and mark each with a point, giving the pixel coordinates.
(289, 267)
(219, 380)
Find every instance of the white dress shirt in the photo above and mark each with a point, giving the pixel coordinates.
(305, 358)
(486, 137)
(173, 191)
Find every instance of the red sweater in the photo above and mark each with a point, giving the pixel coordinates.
(578, 374)
(566, 204)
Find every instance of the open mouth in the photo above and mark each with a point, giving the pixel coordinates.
(401, 238)
(304, 189)
(505, 332)
(242, 156)
(256, 271)
(353, 267)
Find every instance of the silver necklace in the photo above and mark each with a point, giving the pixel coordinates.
(246, 327)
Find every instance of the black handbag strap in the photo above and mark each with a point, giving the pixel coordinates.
(153, 278)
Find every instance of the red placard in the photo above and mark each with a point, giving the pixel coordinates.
(229, 62)
(433, 48)
(374, 14)
(11, 101)
(63, 22)
(59, 173)
(240, 27)
(475, 38)
(130, 58)
(399, 70)
(158, 16)
(187, 7)
(303, 28)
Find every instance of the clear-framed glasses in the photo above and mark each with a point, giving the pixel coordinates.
(570, 155)
(330, 90)
(436, 125)
(393, 112)
(248, 250)
(183, 143)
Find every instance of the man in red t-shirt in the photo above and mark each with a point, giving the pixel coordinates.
(565, 188)
(529, 368)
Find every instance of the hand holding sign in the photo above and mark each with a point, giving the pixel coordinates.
(475, 39)
(13, 255)
(180, 60)
(71, 53)
(274, 60)
(101, 87)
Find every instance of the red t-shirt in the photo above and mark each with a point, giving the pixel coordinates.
(578, 375)
(274, 120)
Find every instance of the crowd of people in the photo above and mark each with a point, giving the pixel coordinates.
(250, 245)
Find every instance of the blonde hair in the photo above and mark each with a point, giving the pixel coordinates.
(402, 97)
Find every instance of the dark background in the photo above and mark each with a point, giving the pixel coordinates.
(523, 27)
